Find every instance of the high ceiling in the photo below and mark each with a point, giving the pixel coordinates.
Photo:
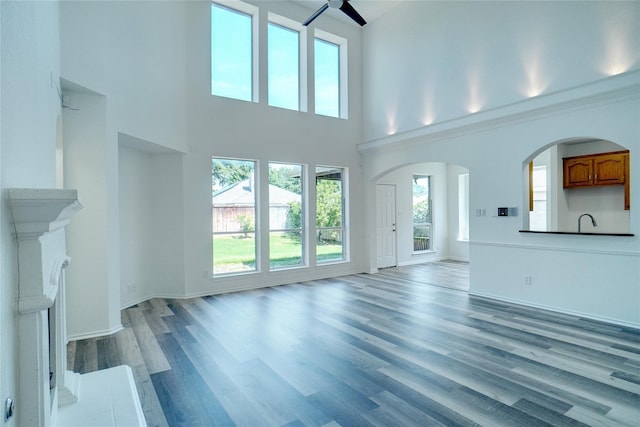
(369, 9)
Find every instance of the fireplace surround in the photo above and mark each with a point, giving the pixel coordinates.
(48, 393)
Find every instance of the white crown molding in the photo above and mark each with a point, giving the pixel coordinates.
(609, 90)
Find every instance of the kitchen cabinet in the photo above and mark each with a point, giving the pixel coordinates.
(593, 170)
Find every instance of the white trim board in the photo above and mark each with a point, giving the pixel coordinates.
(555, 310)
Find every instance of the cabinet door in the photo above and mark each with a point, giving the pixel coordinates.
(609, 169)
(578, 172)
(627, 198)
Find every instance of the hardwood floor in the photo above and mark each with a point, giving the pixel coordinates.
(447, 274)
(384, 350)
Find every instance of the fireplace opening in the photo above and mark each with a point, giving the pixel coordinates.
(52, 345)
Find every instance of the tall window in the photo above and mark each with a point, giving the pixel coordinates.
(422, 213)
(330, 214)
(284, 67)
(327, 77)
(234, 215)
(538, 215)
(286, 216)
(231, 53)
(463, 206)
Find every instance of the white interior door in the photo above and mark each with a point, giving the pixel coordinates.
(386, 225)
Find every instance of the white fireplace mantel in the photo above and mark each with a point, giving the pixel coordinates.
(37, 211)
(48, 393)
(39, 219)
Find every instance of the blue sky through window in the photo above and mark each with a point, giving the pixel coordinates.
(327, 78)
(231, 53)
(284, 71)
(232, 66)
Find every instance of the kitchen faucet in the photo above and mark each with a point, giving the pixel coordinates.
(593, 221)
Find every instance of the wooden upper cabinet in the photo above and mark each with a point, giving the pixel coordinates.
(609, 169)
(578, 172)
(597, 170)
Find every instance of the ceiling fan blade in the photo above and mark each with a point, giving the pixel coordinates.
(316, 14)
(351, 13)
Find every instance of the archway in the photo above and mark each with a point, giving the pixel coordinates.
(431, 213)
(601, 190)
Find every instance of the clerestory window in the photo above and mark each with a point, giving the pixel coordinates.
(232, 58)
(284, 67)
(236, 71)
(330, 74)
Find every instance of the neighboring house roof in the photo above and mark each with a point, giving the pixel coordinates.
(242, 194)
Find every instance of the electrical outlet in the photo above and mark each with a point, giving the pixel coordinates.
(528, 280)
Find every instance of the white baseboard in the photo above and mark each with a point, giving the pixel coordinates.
(95, 334)
(556, 310)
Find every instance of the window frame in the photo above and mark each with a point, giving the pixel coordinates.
(256, 220)
(252, 12)
(303, 230)
(291, 25)
(428, 225)
(343, 78)
(344, 200)
(463, 207)
(539, 218)
(306, 65)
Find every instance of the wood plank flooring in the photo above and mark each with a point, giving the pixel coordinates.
(383, 350)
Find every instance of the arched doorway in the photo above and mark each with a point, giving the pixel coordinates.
(422, 217)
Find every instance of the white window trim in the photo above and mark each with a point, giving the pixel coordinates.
(463, 207)
(304, 231)
(257, 225)
(292, 25)
(346, 243)
(344, 69)
(253, 11)
(430, 224)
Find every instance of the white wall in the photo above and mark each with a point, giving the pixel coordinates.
(445, 217)
(151, 223)
(402, 179)
(132, 56)
(229, 128)
(29, 109)
(431, 61)
(133, 52)
(90, 166)
(496, 243)
(136, 223)
(458, 249)
(425, 54)
(154, 72)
